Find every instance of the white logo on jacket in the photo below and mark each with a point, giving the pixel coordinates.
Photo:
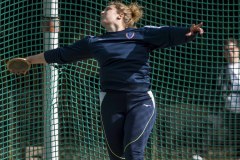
(130, 35)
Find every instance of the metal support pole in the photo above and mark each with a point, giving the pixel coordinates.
(50, 28)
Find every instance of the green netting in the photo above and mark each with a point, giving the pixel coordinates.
(191, 118)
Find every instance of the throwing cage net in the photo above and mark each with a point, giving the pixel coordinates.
(53, 111)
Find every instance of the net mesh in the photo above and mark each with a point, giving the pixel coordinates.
(191, 119)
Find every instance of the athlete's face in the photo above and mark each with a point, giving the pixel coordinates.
(231, 52)
(110, 16)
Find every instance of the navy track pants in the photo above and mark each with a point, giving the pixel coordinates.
(127, 120)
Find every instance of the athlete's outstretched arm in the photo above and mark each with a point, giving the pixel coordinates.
(169, 36)
(62, 55)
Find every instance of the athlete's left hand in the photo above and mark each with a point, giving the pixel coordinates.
(195, 29)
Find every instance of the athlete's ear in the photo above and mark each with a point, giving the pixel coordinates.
(120, 16)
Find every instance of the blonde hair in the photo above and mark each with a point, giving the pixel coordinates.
(132, 12)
